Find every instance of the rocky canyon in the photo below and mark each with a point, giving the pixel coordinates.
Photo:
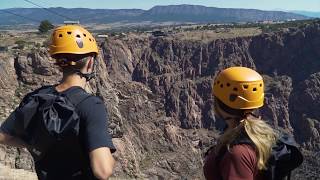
(158, 95)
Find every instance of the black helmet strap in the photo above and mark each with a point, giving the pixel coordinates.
(88, 76)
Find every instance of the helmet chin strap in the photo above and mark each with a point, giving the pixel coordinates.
(87, 76)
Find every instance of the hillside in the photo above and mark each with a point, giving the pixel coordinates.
(308, 13)
(171, 13)
(158, 94)
(192, 13)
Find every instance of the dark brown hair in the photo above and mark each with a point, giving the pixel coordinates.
(70, 63)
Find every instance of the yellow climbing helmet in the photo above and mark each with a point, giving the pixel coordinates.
(239, 88)
(72, 39)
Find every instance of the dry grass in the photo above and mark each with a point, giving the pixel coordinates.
(209, 35)
(31, 38)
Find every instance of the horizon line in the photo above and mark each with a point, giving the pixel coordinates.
(277, 9)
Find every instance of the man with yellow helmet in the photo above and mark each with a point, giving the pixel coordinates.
(68, 138)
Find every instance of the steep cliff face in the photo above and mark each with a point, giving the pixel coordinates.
(305, 111)
(295, 54)
(181, 71)
(158, 95)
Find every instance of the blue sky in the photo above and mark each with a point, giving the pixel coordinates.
(308, 5)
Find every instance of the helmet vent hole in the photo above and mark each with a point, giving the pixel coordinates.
(260, 85)
(78, 36)
(84, 35)
(228, 84)
(218, 82)
(60, 35)
(235, 89)
(245, 86)
(233, 97)
(69, 32)
(221, 85)
(254, 89)
(89, 39)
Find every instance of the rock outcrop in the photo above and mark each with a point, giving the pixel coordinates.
(8, 85)
(158, 95)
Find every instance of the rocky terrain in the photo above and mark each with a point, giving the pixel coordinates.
(158, 94)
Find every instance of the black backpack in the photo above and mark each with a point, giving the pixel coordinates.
(285, 157)
(47, 117)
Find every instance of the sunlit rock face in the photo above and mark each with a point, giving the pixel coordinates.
(158, 95)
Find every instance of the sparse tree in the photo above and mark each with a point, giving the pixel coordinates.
(45, 26)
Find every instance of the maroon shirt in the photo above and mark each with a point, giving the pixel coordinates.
(240, 163)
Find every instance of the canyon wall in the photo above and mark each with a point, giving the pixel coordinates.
(158, 95)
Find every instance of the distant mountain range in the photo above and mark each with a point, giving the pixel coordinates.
(308, 13)
(170, 13)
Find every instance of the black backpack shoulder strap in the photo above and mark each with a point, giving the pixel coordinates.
(29, 96)
(42, 90)
(76, 96)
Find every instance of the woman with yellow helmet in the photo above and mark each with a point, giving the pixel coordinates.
(246, 144)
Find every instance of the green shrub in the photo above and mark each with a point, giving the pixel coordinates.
(21, 44)
(45, 26)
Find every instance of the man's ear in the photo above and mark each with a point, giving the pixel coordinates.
(90, 63)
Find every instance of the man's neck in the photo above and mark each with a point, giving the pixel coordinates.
(70, 81)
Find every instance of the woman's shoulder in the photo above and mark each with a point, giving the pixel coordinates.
(239, 162)
(243, 153)
(243, 149)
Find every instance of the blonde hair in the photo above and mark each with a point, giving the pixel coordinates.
(260, 133)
